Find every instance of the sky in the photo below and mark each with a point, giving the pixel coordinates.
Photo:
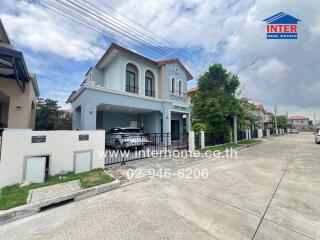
(201, 32)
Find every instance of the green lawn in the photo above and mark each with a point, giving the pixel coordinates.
(223, 147)
(13, 196)
(249, 141)
(220, 148)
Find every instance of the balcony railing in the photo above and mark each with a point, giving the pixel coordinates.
(149, 93)
(178, 94)
(132, 89)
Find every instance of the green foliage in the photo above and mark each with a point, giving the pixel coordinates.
(197, 127)
(247, 116)
(215, 103)
(49, 116)
(282, 122)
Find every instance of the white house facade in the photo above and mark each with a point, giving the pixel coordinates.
(126, 89)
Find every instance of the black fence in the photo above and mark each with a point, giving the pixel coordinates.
(197, 140)
(212, 139)
(121, 148)
(254, 133)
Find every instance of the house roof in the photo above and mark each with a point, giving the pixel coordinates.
(3, 34)
(282, 18)
(298, 118)
(192, 90)
(270, 113)
(259, 106)
(115, 46)
(12, 64)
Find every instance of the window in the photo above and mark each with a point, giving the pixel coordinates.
(149, 82)
(131, 78)
(173, 85)
(180, 88)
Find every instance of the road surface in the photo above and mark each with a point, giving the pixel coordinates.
(270, 191)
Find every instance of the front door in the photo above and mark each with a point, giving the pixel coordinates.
(175, 130)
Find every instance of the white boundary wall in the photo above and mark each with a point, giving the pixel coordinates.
(60, 146)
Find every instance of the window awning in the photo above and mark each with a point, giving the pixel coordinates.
(12, 66)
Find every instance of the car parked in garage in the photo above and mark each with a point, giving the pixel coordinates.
(126, 138)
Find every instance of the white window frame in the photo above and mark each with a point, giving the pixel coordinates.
(180, 85)
(174, 85)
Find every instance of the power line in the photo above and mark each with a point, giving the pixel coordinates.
(124, 28)
(83, 22)
(93, 17)
(146, 29)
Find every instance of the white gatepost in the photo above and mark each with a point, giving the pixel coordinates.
(260, 133)
(191, 141)
(202, 141)
(268, 132)
(249, 132)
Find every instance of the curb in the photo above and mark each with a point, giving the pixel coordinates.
(23, 211)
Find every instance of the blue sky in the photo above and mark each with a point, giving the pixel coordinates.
(206, 31)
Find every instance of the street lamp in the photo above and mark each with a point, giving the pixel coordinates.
(235, 129)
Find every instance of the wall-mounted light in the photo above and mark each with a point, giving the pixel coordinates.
(19, 108)
(91, 110)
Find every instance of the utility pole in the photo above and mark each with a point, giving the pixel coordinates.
(275, 119)
(235, 130)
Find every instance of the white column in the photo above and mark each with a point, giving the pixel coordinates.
(235, 130)
(268, 132)
(260, 133)
(191, 141)
(202, 139)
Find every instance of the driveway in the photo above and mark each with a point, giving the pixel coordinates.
(271, 191)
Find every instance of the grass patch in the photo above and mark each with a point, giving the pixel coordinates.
(249, 141)
(13, 196)
(220, 148)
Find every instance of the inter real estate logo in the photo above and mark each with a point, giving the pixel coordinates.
(282, 26)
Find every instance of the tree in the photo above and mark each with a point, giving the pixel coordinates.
(49, 116)
(215, 104)
(282, 122)
(247, 117)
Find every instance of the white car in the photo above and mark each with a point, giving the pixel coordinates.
(317, 138)
(294, 131)
(125, 138)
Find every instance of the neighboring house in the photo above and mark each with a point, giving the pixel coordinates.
(191, 93)
(126, 89)
(269, 120)
(67, 113)
(260, 113)
(18, 88)
(300, 122)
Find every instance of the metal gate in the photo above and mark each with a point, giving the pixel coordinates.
(121, 148)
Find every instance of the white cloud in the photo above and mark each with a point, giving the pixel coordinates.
(41, 30)
(273, 69)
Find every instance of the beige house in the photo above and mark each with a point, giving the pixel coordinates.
(18, 88)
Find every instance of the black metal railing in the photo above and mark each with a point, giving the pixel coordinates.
(149, 93)
(178, 94)
(121, 148)
(132, 89)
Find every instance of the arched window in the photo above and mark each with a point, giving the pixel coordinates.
(180, 88)
(173, 85)
(149, 84)
(131, 78)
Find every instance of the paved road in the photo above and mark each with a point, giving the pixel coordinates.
(271, 191)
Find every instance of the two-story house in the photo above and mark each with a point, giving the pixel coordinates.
(18, 88)
(299, 122)
(126, 89)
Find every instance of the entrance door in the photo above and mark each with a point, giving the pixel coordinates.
(175, 130)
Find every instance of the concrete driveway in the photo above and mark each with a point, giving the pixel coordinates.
(271, 191)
